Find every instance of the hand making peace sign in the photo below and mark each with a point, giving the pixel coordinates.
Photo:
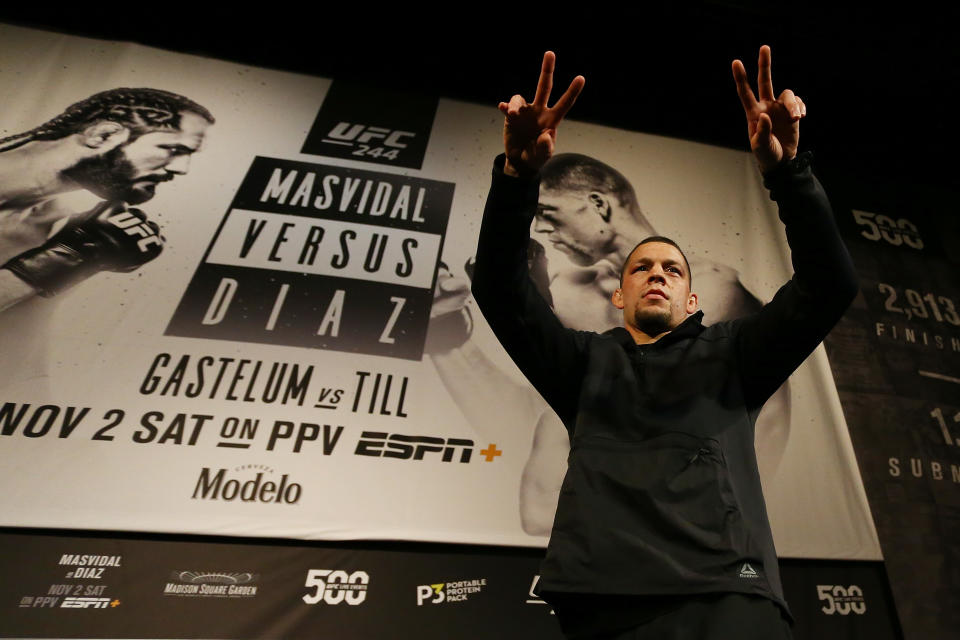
(530, 128)
(773, 123)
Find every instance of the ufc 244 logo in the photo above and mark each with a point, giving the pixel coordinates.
(334, 587)
(354, 122)
(841, 600)
(348, 132)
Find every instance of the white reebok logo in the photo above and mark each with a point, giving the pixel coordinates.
(746, 571)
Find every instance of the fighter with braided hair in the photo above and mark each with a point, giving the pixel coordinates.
(118, 145)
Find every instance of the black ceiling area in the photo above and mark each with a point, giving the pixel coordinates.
(879, 88)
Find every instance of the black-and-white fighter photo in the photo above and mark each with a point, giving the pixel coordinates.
(118, 146)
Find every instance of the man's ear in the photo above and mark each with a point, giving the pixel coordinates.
(600, 204)
(692, 303)
(617, 298)
(104, 135)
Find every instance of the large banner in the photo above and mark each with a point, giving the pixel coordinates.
(95, 587)
(236, 302)
(896, 359)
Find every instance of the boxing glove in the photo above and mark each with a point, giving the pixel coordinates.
(110, 237)
(451, 323)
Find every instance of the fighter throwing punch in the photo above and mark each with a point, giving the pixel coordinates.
(661, 529)
(118, 145)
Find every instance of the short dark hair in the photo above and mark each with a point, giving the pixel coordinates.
(577, 172)
(664, 240)
(141, 110)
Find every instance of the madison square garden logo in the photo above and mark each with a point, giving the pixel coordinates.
(323, 257)
(211, 584)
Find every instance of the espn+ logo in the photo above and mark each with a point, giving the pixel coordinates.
(336, 586)
(88, 603)
(841, 600)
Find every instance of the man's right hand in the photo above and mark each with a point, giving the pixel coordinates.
(530, 128)
(110, 237)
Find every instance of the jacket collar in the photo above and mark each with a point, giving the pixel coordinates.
(689, 328)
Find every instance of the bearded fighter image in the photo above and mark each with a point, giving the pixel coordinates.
(118, 146)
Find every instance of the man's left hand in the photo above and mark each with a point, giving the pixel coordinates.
(773, 124)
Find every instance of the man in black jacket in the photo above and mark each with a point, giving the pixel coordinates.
(661, 529)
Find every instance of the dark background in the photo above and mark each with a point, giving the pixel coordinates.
(879, 86)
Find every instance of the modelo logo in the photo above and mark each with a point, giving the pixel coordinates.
(841, 600)
(215, 486)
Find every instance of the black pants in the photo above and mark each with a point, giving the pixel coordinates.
(702, 617)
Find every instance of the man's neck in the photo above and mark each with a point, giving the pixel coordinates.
(641, 337)
(628, 233)
(34, 173)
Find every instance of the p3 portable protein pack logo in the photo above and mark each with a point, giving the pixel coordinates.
(449, 592)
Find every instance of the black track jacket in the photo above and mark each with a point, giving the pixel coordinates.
(662, 494)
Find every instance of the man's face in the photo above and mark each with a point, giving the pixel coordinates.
(655, 295)
(574, 223)
(132, 171)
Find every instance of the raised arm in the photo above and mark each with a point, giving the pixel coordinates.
(773, 343)
(773, 124)
(530, 128)
(518, 315)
